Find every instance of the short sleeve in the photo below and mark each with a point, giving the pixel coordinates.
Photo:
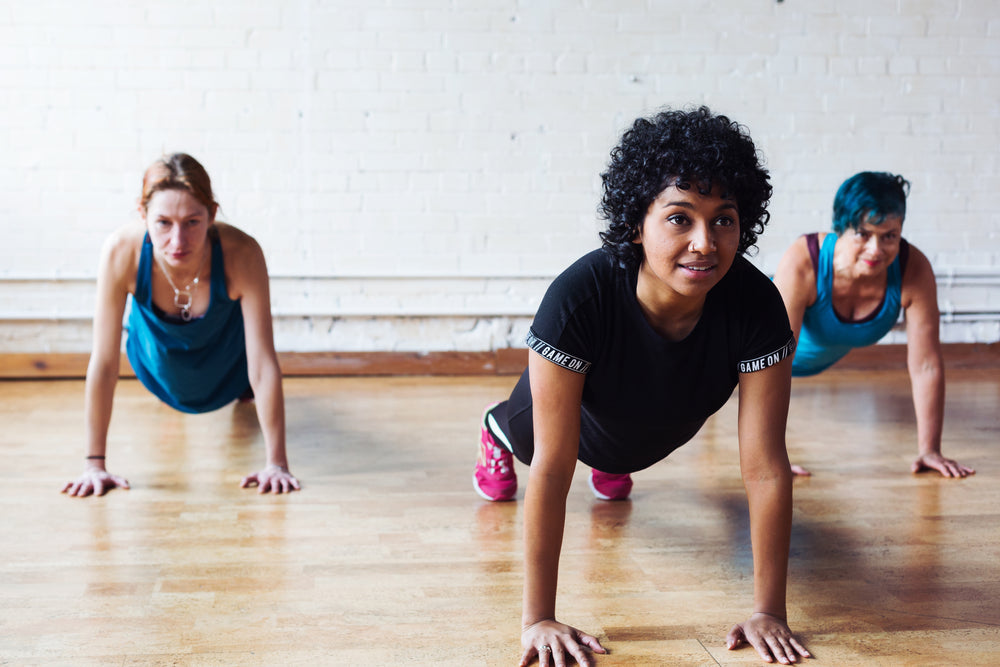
(566, 328)
(767, 337)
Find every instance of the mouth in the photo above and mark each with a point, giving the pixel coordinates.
(699, 268)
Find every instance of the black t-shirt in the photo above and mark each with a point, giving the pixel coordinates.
(644, 395)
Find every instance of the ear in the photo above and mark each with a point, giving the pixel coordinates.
(638, 235)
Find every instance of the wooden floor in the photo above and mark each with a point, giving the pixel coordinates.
(388, 558)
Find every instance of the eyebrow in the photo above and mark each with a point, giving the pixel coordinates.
(726, 204)
(878, 229)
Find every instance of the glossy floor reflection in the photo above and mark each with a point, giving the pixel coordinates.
(387, 557)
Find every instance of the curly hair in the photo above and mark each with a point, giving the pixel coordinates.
(672, 146)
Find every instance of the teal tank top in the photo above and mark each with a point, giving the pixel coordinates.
(825, 337)
(194, 366)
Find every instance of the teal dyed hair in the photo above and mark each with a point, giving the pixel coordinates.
(870, 196)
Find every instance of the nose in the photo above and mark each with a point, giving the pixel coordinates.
(702, 238)
(873, 246)
(178, 236)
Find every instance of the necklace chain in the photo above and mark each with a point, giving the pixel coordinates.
(188, 292)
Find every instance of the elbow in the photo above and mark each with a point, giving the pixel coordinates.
(553, 477)
(262, 372)
(103, 367)
(774, 471)
(929, 368)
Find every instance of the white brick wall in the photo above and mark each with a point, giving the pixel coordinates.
(397, 153)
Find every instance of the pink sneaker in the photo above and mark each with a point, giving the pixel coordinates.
(495, 479)
(609, 487)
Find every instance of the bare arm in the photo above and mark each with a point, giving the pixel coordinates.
(795, 279)
(926, 366)
(250, 284)
(763, 411)
(114, 279)
(555, 395)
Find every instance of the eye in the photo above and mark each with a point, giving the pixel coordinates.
(678, 219)
(725, 221)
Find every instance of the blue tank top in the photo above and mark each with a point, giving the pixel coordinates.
(194, 366)
(826, 337)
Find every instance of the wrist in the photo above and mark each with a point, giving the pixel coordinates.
(925, 450)
(781, 617)
(526, 625)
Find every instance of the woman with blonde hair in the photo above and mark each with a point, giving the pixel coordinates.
(199, 328)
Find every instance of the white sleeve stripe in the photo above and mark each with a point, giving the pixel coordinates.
(770, 359)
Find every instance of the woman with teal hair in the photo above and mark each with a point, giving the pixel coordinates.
(846, 290)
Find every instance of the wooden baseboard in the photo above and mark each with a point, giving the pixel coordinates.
(508, 361)
(956, 356)
(500, 362)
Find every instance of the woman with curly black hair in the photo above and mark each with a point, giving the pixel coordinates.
(635, 345)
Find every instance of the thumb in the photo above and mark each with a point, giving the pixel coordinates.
(735, 637)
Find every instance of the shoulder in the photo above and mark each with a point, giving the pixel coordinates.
(235, 240)
(795, 276)
(239, 249)
(126, 238)
(796, 263)
(593, 273)
(578, 301)
(918, 261)
(120, 252)
(243, 258)
(596, 264)
(918, 279)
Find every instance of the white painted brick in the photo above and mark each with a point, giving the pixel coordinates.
(354, 81)
(930, 7)
(341, 59)
(442, 138)
(393, 20)
(246, 14)
(899, 25)
(217, 80)
(809, 45)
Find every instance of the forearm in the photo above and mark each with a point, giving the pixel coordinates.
(927, 382)
(770, 502)
(270, 401)
(98, 400)
(544, 523)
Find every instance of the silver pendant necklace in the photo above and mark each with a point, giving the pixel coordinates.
(184, 298)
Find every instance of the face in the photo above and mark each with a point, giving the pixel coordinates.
(178, 226)
(689, 240)
(872, 248)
